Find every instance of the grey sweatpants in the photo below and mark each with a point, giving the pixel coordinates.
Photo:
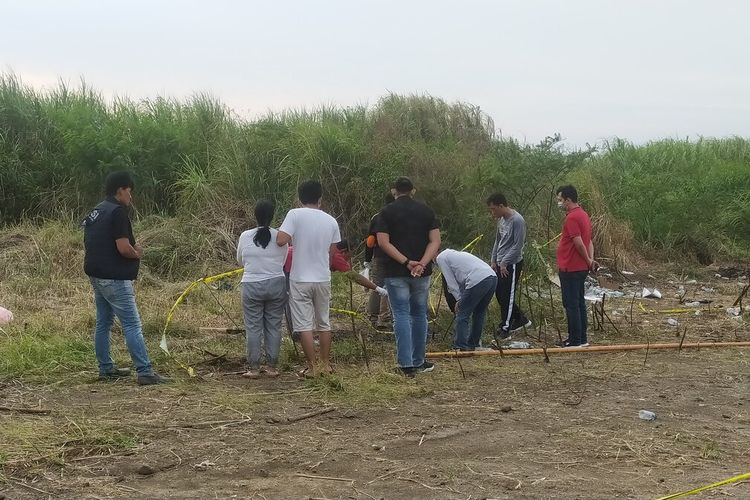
(263, 304)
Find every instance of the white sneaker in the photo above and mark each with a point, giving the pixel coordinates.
(527, 325)
(584, 345)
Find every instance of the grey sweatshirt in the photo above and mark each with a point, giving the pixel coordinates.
(509, 240)
(462, 270)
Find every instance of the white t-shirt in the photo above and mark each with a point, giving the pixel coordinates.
(260, 263)
(313, 232)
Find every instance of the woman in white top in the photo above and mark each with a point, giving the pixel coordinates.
(264, 292)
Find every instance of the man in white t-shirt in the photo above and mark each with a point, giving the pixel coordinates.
(314, 235)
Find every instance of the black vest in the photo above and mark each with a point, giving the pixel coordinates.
(102, 259)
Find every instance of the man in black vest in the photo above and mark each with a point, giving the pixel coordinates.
(112, 260)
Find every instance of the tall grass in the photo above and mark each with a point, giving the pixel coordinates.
(680, 197)
(199, 170)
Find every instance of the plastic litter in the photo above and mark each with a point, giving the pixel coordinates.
(518, 344)
(646, 293)
(672, 322)
(627, 273)
(646, 415)
(692, 304)
(5, 316)
(734, 311)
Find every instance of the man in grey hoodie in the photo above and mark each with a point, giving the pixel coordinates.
(507, 261)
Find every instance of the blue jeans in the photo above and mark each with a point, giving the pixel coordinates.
(116, 298)
(408, 298)
(572, 288)
(473, 305)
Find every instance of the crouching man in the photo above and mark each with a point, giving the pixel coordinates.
(472, 283)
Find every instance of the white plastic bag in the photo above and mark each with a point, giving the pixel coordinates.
(5, 316)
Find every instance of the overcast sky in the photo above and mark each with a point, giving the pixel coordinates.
(589, 69)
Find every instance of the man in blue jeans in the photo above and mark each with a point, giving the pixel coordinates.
(472, 282)
(409, 236)
(111, 261)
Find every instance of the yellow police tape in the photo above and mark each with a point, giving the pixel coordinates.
(195, 284)
(707, 487)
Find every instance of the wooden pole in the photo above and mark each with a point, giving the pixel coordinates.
(597, 348)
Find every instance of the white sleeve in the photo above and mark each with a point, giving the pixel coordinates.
(239, 251)
(336, 235)
(450, 278)
(288, 225)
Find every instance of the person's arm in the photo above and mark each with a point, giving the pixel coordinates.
(120, 231)
(361, 280)
(582, 251)
(594, 264)
(127, 250)
(493, 255)
(518, 237)
(450, 278)
(384, 242)
(283, 238)
(239, 252)
(286, 231)
(433, 247)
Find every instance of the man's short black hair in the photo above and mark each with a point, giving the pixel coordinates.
(568, 192)
(117, 180)
(310, 192)
(497, 199)
(403, 185)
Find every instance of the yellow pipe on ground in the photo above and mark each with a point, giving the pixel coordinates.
(566, 350)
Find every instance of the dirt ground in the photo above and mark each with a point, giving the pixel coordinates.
(514, 427)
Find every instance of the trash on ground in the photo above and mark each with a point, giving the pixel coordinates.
(627, 273)
(734, 311)
(672, 322)
(5, 316)
(647, 294)
(646, 415)
(695, 303)
(518, 344)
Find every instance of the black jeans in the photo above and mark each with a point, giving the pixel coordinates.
(572, 288)
(506, 293)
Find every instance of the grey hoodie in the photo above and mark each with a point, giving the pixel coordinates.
(509, 240)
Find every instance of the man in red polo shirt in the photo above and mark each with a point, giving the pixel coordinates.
(575, 258)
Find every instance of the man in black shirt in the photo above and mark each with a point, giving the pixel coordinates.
(111, 261)
(409, 236)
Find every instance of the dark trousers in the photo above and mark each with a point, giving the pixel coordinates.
(572, 287)
(507, 296)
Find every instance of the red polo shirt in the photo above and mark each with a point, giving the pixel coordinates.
(338, 261)
(577, 223)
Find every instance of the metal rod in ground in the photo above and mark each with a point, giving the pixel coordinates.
(222, 307)
(590, 349)
(460, 366)
(354, 327)
(445, 333)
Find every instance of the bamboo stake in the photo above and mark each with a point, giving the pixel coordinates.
(598, 348)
